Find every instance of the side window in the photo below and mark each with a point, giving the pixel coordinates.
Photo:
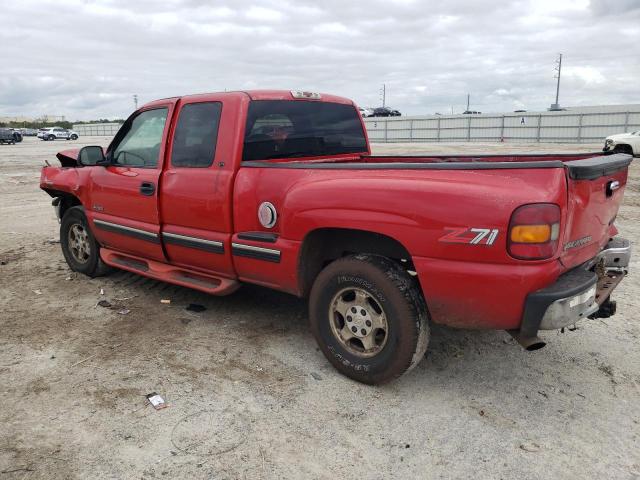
(140, 144)
(194, 142)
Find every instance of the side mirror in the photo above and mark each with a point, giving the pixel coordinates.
(91, 155)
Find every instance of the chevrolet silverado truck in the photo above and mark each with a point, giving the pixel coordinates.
(280, 189)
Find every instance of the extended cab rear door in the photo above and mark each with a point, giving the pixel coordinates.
(197, 184)
(124, 195)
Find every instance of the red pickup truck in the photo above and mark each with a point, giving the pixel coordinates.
(280, 189)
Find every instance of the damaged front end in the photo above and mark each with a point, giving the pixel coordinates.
(68, 158)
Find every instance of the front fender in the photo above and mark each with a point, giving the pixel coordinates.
(62, 180)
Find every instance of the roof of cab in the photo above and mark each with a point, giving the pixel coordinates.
(261, 95)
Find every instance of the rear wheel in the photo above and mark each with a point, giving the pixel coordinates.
(369, 318)
(51, 137)
(74, 137)
(79, 246)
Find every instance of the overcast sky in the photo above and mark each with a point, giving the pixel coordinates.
(85, 59)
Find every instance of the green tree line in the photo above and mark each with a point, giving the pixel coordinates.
(64, 124)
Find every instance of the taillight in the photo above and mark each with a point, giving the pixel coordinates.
(533, 231)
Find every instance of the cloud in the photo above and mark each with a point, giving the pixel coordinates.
(89, 58)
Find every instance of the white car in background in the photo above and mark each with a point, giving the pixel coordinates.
(55, 133)
(623, 143)
(366, 112)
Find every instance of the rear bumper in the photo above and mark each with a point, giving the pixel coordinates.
(577, 293)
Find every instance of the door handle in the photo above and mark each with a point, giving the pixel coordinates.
(147, 188)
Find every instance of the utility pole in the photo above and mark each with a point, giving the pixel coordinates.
(558, 68)
(383, 94)
(468, 99)
(135, 101)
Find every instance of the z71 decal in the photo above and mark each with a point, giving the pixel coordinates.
(470, 236)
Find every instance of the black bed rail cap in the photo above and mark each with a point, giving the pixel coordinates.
(596, 167)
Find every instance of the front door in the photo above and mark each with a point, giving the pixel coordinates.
(124, 195)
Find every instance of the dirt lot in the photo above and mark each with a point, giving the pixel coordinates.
(250, 395)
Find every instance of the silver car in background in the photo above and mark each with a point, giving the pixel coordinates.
(57, 133)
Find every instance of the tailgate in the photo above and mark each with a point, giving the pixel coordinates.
(595, 188)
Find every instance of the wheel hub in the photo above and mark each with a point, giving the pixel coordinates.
(359, 321)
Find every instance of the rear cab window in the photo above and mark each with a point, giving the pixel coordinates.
(299, 128)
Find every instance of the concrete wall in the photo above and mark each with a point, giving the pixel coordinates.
(590, 126)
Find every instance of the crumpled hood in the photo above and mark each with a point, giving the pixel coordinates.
(68, 158)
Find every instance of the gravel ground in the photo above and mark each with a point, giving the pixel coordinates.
(250, 396)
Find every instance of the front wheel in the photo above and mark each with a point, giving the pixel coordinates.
(79, 246)
(369, 318)
(74, 137)
(623, 149)
(51, 137)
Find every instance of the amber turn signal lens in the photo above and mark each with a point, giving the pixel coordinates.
(531, 233)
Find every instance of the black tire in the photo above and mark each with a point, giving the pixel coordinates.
(395, 294)
(623, 149)
(92, 265)
(51, 137)
(74, 137)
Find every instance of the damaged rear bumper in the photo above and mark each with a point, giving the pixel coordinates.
(579, 293)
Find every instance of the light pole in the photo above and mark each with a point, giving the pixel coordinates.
(556, 106)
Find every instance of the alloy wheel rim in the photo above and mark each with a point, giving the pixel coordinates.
(358, 322)
(78, 241)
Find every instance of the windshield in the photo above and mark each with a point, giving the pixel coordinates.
(287, 129)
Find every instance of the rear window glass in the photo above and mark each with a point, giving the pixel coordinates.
(289, 129)
(194, 143)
